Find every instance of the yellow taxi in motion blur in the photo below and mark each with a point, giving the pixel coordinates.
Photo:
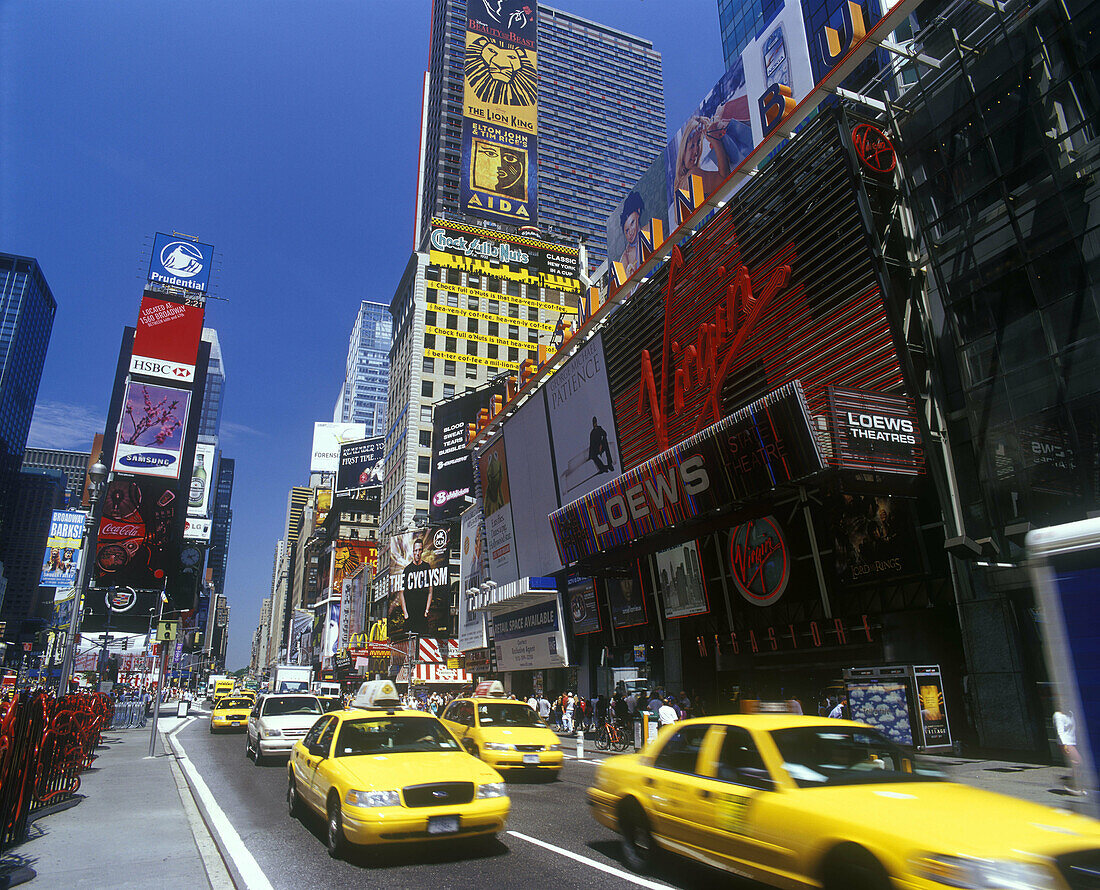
(504, 733)
(812, 802)
(380, 774)
(230, 712)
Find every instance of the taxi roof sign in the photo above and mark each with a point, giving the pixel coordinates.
(489, 689)
(377, 694)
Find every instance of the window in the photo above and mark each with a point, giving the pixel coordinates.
(448, 390)
(491, 350)
(425, 413)
(425, 438)
(423, 464)
(532, 313)
(471, 347)
(429, 365)
(326, 736)
(471, 372)
(422, 491)
(494, 329)
(815, 756)
(452, 344)
(385, 735)
(471, 303)
(513, 310)
(681, 751)
(449, 367)
(471, 324)
(494, 307)
(740, 762)
(315, 731)
(429, 318)
(513, 288)
(513, 332)
(513, 354)
(426, 388)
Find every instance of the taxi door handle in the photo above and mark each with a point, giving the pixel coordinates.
(704, 793)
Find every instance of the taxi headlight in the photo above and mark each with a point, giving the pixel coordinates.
(372, 798)
(982, 874)
(498, 746)
(270, 733)
(491, 789)
(552, 748)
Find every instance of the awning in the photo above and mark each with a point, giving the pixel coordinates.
(435, 673)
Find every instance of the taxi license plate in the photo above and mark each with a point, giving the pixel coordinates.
(530, 758)
(236, 722)
(442, 824)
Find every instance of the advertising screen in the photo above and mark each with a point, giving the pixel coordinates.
(883, 704)
(933, 711)
(180, 262)
(421, 589)
(202, 478)
(151, 432)
(130, 609)
(166, 339)
(452, 467)
(515, 257)
(360, 464)
(472, 626)
(874, 539)
(497, 504)
(62, 561)
(626, 600)
(136, 544)
(583, 605)
(327, 439)
(500, 111)
(680, 580)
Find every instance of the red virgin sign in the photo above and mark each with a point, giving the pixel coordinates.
(760, 561)
(874, 149)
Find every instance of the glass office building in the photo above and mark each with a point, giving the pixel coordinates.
(363, 396)
(214, 393)
(601, 122)
(218, 559)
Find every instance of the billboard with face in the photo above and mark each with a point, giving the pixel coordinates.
(151, 432)
(421, 589)
(648, 200)
(62, 559)
(497, 504)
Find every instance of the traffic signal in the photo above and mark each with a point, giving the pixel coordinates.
(192, 641)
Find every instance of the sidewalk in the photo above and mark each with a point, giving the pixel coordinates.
(137, 825)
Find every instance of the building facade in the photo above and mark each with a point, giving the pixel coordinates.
(217, 559)
(214, 390)
(364, 392)
(601, 122)
(73, 464)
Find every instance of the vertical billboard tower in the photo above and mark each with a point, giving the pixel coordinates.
(500, 112)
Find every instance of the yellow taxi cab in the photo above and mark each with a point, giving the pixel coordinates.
(812, 802)
(504, 733)
(230, 712)
(381, 774)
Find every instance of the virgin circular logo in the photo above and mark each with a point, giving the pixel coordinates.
(181, 258)
(760, 561)
(874, 148)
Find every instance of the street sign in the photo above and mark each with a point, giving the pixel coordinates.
(167, 631)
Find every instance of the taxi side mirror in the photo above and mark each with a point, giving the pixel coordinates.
(316, 749)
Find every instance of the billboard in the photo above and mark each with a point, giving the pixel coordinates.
(530, 638)
(648, 200)
(62, 561)
(500, 112)
(680, 580)
(583, 605)
(496, 500)
(452, 468)
(181, 262)
(360, 464)
(129, 609)
(626, 600)
(202, 480)
(586, 453)
(166, 339)
(151, 431)
(421, 591)
(136, 545)
(196, 529)
(327, 439)
(875, 432)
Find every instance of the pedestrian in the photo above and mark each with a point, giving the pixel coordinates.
(533, 703)
(684, 705)
(631, 703)
(839, 711)
(1066, 727)
(567, 713)
(666, 713)
(655, 702)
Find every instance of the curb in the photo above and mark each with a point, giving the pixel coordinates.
(227, 861)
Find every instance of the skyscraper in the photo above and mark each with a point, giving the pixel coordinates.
(214, 391)
(72, 464)
(601, 122)
(217, 560)
(27, 309)
(363, 395)
(738, 21)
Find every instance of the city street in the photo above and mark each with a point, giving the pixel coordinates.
(551, 841)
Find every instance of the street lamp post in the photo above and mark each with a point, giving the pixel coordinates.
(97, 473)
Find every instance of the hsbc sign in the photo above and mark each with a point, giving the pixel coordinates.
(152, 367)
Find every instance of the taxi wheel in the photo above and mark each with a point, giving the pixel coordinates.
(851, 867)
(639, 848)
(336, 842)
(293, 801)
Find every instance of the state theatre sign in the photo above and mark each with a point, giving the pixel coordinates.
(766, 444)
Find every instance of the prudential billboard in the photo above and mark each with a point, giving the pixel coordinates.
(181, 262)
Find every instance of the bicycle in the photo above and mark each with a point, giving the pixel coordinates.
(612, 736)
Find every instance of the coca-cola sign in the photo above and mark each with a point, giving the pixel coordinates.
(760, 562)
(137, 538)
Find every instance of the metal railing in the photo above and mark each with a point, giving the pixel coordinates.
(129, 715)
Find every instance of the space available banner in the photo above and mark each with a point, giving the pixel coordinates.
(496, 499)
(151, 430)
(582, 424)
(530, 638)
(360, 464)
(62, 560)
(166, 339)
(452, 468)
(421, 589)
(136, 545)
(181, 262)
(500, 111)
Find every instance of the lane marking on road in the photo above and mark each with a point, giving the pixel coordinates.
(246, 864)
(216, 872)
(599, 866)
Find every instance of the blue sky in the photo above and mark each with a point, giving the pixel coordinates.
(284, 133)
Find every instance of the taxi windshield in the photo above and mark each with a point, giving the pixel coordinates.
(393, 735)
(282, 705)
(816, 756)
(501, 714)
(226, 703)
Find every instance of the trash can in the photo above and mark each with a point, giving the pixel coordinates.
(182, 707)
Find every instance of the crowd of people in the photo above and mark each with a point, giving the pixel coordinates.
(570, 712)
